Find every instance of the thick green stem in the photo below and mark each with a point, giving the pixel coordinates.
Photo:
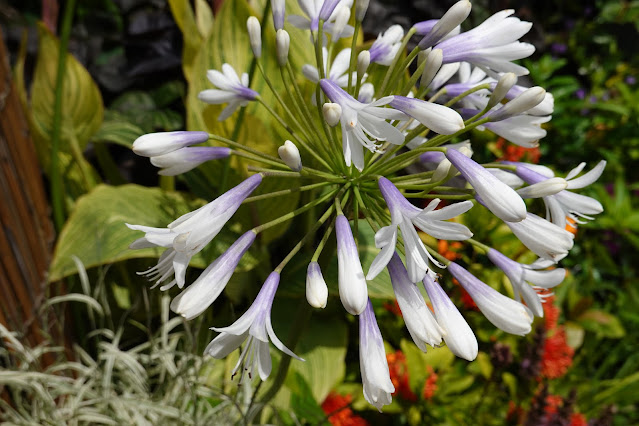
(57, 197)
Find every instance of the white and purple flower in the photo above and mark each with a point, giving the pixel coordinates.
(353, 291)
(230, 90)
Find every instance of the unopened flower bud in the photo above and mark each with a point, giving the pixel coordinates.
(332, 113)
(290, 155)
(544, 188)
(522, 103)
(328, 6)
(278, 8)
(433, 64)
(154, 144)
(342, 16)
(363, 61)
(505, 83)
(366, 93)
(451, 19)
(361, 6)
(316, 288)
(255, 35)
(282, 43)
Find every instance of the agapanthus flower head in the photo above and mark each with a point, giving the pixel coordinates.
(492, 45)
(230, 90)
(187, 235)
(372, 360)
(255, 325)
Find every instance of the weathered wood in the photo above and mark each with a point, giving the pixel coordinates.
(26, 231)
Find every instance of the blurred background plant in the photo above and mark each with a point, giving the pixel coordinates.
(120, 358)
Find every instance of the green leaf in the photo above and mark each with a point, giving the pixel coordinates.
(302, 401)
(82, 108)
(602, 323)
(119, 132)
(96, 232)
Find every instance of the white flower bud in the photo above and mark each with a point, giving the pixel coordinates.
(332, 113)
(433, 64)
(316, 288)
(290, 155)
(360, 9)
(522, 103)
(282, 43)
(544, 188)
(505, 83)
(342, 15)
(451, 19)
(255, 35)
(363, 61)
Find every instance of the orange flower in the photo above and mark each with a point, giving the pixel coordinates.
(551, 313)
(430, 386)
(340, 414)
(578, 419)
(449, 250)
(393, 308)
(512, 152)
(557, 357)
(399, 376)
(570, 225)
(553, 402)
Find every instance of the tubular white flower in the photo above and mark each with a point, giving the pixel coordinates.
(278, 7)
(498, 197)
(320, 9)
(566, 204)
(282, 44)
(385, 48)
(451, 19)
(433, 65)
(187, 235)
(255, 35)
(363, 61)
(438, 118)
(352, 285)
(458, 336)
(372, 360)
(290, 155)
(520, 275)
(419, 320)
(197, 297)
(154, 144)
(231, 90)
(359, 121)
(342, 14)
(406, 216)
(492, 45)
(542, 237)
(504, 312)
(543, 189)
(527, 100)
(545, 107)
(523, 130)
(316, 288)
(361, 6)
(255, 325)
(185, 159)
(503, 86)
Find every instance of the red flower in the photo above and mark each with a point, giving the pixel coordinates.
(430, 386)
(449, 250)
(399, 376)
(578, 419)
(553, 402)
(340, 414)
(512, 152)
(551, 313)
(557, 357)
(393, 308)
